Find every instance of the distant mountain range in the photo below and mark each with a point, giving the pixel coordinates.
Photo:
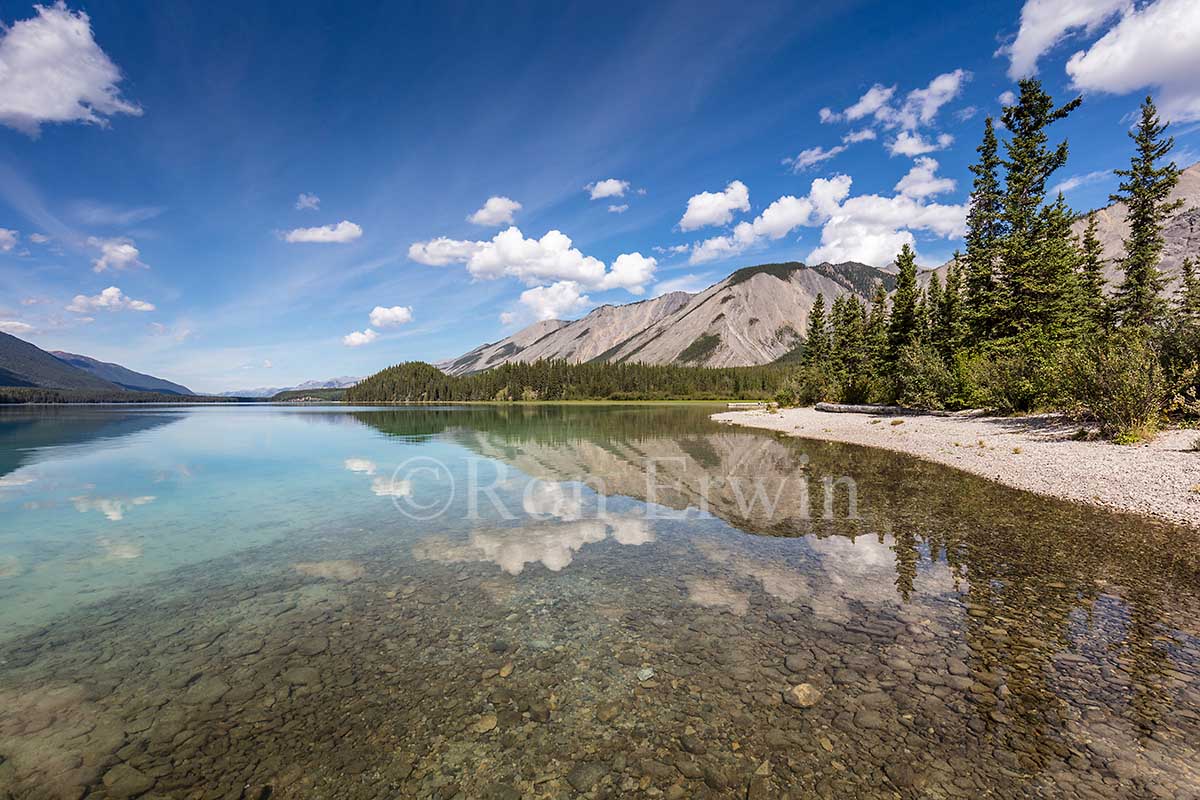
(23, 364)
(121, 376)
(270, 391)
(755, 316)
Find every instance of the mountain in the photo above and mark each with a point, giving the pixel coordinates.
(121, 376)
(755, 316)
(270, 391)
(1181, 232)
(24, 364)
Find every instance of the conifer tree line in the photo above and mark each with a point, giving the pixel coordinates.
(1024, 319)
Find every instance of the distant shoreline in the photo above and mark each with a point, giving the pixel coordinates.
(1035, 453)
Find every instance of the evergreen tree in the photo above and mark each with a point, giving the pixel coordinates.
(816, 349)
(1094, 305)
(949, 323)
(984, 231)
(1187, 297)
(877, 328)
(902, 326)
(933, 305)
(1145, 191)
(1029, 163)
(1052, 295)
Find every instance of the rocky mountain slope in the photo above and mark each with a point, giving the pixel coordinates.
(755, 316)
(121, 376)
(1182, 231)
(341, 382)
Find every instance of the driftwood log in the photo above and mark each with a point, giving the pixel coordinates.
(878, 410)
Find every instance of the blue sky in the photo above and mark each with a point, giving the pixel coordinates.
(260, 194)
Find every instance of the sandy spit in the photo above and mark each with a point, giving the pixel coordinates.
(1035, 453)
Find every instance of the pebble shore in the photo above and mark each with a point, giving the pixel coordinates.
(1036, 453)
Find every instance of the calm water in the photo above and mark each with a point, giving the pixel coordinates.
(548, 602)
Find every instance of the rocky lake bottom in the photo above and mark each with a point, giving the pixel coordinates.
(951, 640)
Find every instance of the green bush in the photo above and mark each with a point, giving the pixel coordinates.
(1116, 380)
(812, 383)
(1014, 380)
(922, 379)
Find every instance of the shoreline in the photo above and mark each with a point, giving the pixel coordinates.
(1035, 453)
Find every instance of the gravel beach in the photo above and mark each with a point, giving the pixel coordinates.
(1036, 453)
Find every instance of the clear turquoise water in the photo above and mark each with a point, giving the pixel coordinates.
(260, 601)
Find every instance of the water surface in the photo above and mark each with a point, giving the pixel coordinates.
(613, 601)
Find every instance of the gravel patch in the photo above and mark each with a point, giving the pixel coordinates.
(1036, 453)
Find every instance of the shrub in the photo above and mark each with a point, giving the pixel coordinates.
(1015, 380)
(812, 383)
(922, 379)
(1116, 380)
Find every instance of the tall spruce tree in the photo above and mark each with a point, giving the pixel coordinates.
(902, 325)
(948, 322)
(1052, 308)
(933, 305)
(877, 328)
(816, 343)
(1093, 303)
(1029, 163)
(1187, 296)
(1146, 192)
(984, 232)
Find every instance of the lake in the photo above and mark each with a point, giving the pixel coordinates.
(556, 601)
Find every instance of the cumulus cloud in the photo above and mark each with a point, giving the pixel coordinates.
(307, 202)
(875, 99)
(609, 187)
(866, 228)
(510, 254)
(38, 238)
(813, 156)
(1045, 23)
(8, 239)
(496, 211)
(116, 254)
(15, 327)
(1007, 98)
(342, 232)
(674, 249)
(53, 71)
(715, 208)
(922, 181)
(558, 300)
(111, 299)
(618, 209)
(630, 271)
(385, 317)
(1157, 45)
(359, 338)
(914, 144)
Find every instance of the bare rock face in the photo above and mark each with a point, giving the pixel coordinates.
(754, 316)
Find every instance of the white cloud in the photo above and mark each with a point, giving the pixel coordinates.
(914, 144)
(618, 209)
(396, 315)
(179, 333)
(1157, 45)
(561, 299)
(630, 271)
(38, 238)
(8, 239)
(609, 187)
(861, 135)
(533, 261)
(813, 156)
(15, 327)
(344, 231)
(496, 211)
(828, 115)
(924, 104)
(391, 487)
(964, 114)
(1075, 181)
(1045, 23)
(674, 249)
(53, 71)
(359, 338)
(1007, 98)
(117, 254)
(305, 201)
(866, 228)
(875, 99)
(921, 181)
(715, 208)
(442, 251)
(111, 299)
